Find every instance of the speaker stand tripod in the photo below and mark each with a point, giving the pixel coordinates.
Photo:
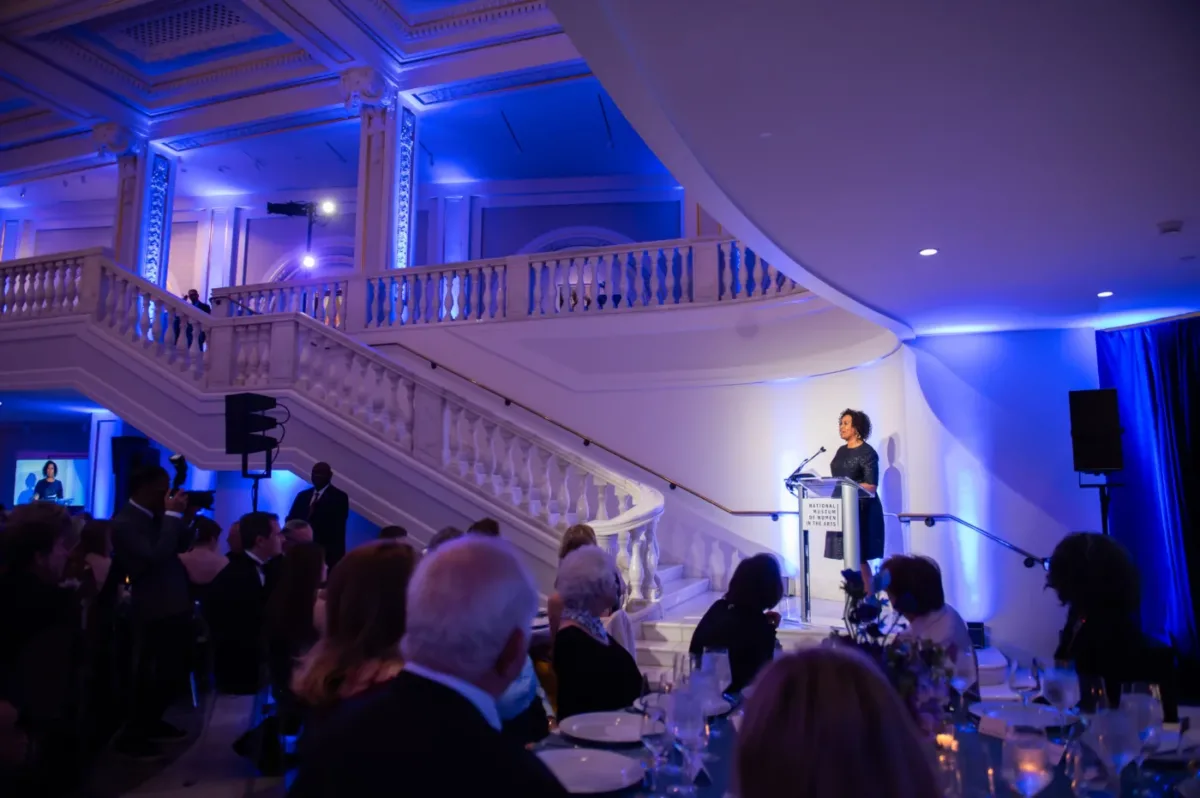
(1105, 498)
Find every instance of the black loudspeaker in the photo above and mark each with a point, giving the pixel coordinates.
(129, 453)
(1096, 431)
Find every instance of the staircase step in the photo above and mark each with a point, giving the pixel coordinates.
(680, 591)
(670, 573)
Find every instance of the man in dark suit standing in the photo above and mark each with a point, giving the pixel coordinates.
(148, 534)
(326, 509)
(237, 601)
(462, 648)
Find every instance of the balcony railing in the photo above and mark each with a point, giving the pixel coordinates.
(590, 282)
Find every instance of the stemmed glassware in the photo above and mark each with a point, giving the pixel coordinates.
(1026, 761)
(716, 660)
(1060, 686)
(1142, 702)
(657, 739)
(1023, 680)
(687, 725)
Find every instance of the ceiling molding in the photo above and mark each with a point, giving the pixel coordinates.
(549, 73)
(318, 117)
(50, 157)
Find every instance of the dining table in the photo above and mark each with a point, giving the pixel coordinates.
(976, 765)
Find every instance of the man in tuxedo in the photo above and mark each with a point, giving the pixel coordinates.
(148, 534)
(326, 509)
(462, 648)
(237, 602)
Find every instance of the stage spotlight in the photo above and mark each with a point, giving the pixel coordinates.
(328, 207)
(308, 261)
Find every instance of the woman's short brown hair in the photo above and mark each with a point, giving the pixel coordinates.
(365, 605)
(914, 585)
(824, 722)
(576, 537)
(33, 529)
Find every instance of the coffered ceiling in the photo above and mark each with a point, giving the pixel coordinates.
(196, 72)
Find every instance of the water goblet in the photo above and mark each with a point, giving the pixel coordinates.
(656, 738)
(1023, 680)
(1142, 702)
(1060, 686)
(717, 661)
(1026, 764)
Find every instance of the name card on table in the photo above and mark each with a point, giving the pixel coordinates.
(822, 514)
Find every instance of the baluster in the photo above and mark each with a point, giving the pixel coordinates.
(635, 568)
(541, 462)
(51, 277)
(349, 384)
(582, 512)
(452, 450)
(537, 290)
(485, 459)
(508, 467)
(254, 361)
(675, 264)
(362, 388)
(562, 493)
(18, 301)
(39, 289)
(520, 455)
(8, 293)
(661, 262)
(497, 288)
(379, 398)
(388, 407)
(242, 358)
(602, 513)
(601, 283)
(562, 295)
(468, 451)
(72, 299)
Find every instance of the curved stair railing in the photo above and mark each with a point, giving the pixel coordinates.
(547, 485)
(584, 282)
(929, 519)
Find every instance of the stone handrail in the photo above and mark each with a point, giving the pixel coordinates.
(579, 282)
(547, 485)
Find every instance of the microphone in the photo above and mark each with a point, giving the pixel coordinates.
(790, 482)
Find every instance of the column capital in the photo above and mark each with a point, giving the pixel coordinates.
(114, 138)
(365, 86)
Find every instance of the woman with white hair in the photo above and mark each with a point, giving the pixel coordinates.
(595, 673)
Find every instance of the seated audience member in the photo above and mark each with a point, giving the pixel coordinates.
(485, 526)
(435, 730)
(237, 602)
(824, 722)
(575, 537)
(39, 632)
(295, 532)
(594, 672)
(290, 629)
(365, 609)
(741, 622)
(443, 536)
(915, 591)
(393, 533)
(202, 561)
(1094, 576)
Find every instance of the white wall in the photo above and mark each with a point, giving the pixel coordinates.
(975, 426)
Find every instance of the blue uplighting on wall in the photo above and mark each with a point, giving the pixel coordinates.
(154, 262)
(406, 130)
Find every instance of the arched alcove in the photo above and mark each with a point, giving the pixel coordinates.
(335, 258)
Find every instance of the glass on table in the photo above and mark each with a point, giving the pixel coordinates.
(1026, 762)
(716, 661)
(688, 727)
(1142, 702)
(1023, 680)
(657, 739)
(1115, 733)
(1060, 686)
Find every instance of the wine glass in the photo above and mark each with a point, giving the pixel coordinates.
(716, 660)
(1116, 732)
(1026, 763)
(656, 738)
(1060, 686)
(686, 723)
(1142, 702)
(1023, 680)
(682, 669)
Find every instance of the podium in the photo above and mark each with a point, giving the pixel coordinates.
(829, 504)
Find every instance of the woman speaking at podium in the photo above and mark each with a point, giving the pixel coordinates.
(856, 460)
(49, 488)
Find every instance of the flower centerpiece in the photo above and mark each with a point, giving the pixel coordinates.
(919, 669)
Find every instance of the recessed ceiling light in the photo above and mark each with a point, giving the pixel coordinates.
(1104, 294)
(927, 252)
(308, 261)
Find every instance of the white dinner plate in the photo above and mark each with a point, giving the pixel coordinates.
(1013, 713)
(713, 707)
(585, 771)
(613, 728)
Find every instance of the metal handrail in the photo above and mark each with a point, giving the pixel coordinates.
(931, 518)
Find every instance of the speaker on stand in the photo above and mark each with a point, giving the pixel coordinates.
(1096, 441)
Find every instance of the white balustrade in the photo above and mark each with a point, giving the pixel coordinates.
(603, 281)
(544, 484)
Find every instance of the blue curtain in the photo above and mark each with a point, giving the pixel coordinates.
(1155, 514)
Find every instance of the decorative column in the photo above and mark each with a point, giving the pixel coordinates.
(385, 215)
(145, 194)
